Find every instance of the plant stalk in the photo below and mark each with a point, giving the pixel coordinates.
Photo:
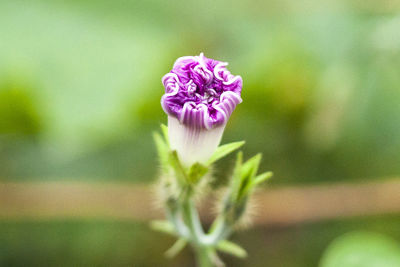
(203, 258)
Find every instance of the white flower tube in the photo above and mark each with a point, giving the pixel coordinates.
(193, 144)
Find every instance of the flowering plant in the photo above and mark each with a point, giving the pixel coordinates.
(200, 96)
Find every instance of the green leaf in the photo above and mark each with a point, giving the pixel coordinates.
(163, 226)
(196, 171)
(224, 150)
(362, 249)
(231, 248)
(176, 248)
(262, 177)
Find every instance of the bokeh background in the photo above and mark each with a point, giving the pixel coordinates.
(80, 89)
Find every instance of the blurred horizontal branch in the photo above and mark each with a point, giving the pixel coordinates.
(275, 206)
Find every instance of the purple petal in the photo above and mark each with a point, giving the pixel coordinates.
(200, 92)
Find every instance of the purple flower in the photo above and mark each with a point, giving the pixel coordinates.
(200, 96)
(201, 92)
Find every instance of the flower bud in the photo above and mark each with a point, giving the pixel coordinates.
(200, 96)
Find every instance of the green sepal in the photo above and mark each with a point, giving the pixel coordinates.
(231, 248)
(196, 172)
(236, 178)
(243, 181)
(178, 168)
(250, 167)
(176, 248)
(164, 129)
(248, 172)
(163, 226)
(191, 176)
(162, 150)
(262, 177)
(224, 150)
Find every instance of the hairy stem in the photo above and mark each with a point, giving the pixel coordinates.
(205, 254)
(192, 220)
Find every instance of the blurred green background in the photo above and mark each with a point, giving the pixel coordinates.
(80, 89)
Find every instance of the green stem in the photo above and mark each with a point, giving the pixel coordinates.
(220, 230)
(203, 258)
(173, 214)
(192, 220)
(186, 221)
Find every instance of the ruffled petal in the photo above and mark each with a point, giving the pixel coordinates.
(200, 92)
